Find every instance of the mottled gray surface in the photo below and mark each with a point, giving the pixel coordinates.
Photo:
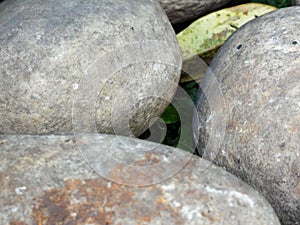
(180, 11)
(258, 69)
(296, 2)
(44, 180)
(56, 53)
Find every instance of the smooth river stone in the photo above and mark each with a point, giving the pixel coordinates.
(180, 11)
(296, 2)
(258, 70)
(44, 180)
(93, 66)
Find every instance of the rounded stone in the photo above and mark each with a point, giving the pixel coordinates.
(44, 180)
(95, 66)
(258, 74)
(180, 11)
(296, 2)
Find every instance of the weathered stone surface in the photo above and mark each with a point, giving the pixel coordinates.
(182, 10)
(296, 2)
(44, 180)
(105, 60)
(258, 70)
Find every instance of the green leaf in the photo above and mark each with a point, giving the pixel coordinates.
(170, 115)
(205, 36)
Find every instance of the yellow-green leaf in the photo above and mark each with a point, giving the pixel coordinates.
(207, 34)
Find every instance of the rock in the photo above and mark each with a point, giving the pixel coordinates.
(259, 81)
(296, 2)
(44, 180)
(85, 61)
(180, 11)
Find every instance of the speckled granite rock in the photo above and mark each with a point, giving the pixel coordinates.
(102, 60)
(180, 11)
(44, 180)
(258, 70)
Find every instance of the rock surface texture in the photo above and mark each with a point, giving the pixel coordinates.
(44, 180)
(180, 11)
(258, 70)
(100, 60)
(296, 2)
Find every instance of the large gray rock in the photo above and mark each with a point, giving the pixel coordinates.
(180, 11)
(103, 61)
(258, 70)
(296, 2)
(44, 180)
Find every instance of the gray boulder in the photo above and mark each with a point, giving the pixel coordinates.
(258, 70)
(86, 65)
(44, 180)
(296, 2)
(180, 11)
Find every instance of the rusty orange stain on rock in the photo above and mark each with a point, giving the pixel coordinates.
(149, 159)
(294, 129)
(96, 201)
(141, 221)
(297, 190)
(80, 202)
(161, 200)
(212, 218)
(17, 223)
(124, 172)
(164, 205)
